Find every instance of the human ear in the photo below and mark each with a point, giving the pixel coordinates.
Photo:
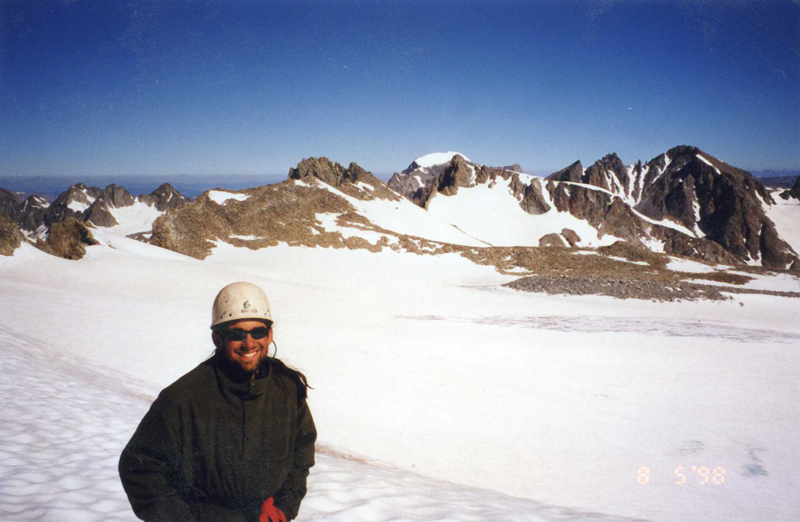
(217, 340)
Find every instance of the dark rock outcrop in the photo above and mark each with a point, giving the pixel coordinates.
(608, 173)
(793, 192)
(533, 201)
(420, 184)
(35, 216)
(416, 182)
(571, 236)
(712, 200)
(573, 173)
(10, 236)
(552, 240)
(605, 212)
(678, 243)
(353, 181)
(9, 202)
(71, 203)
(459, 173)
(30, 215)
(164, 198)
(68, 239)
(112, 196)
(610, 215)
(724, 203)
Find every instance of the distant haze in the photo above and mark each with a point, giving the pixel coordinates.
(192, 186)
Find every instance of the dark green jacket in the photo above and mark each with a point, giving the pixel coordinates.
(214, 449)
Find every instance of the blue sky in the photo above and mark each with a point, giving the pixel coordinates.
(172, 87)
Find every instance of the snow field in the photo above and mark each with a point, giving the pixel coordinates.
(402, 217)
(423, 363)
(63, 429)
(61, 444)
(138, 217)
(493, 216)
(786, 216)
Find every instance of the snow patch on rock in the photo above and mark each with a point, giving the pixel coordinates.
(704, 160)
(437, 158)
(220, 197)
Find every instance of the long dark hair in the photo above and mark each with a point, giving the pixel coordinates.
(298, 377)
(275, 364)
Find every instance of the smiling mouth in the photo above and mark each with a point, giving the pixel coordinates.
(249, 355)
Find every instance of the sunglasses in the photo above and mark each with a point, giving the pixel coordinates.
(237, 334)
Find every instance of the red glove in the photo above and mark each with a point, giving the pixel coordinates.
(269, 513)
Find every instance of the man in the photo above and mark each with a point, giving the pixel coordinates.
(233, 439)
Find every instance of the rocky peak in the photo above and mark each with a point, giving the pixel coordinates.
(112, 196)
(533, 201)
(353, 181)
(354, 174)
(71, 203)
(115, 196)
(716, 201)
(91, 205)
(424, 178)
(420, 180)
(573, 173)
(608, 173)
(457, 174)
(683, 150)
(34, 201)
(164, 198)
(80, 193)
(30, 215)
(321, 168)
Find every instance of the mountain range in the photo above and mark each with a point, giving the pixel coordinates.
(684, 201)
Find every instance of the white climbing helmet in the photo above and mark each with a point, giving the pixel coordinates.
(239, 301)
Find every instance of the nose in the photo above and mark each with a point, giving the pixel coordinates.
(249, 342)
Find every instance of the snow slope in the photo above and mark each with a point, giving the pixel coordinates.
(138, 217)
(493, 215)
(402, 217)
(421, 365)
(786, 216)
(61, 444)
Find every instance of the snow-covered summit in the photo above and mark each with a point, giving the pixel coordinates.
(437, 158)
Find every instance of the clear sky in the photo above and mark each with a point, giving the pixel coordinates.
(221, 87)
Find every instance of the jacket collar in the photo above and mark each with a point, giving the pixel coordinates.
(244, 389)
